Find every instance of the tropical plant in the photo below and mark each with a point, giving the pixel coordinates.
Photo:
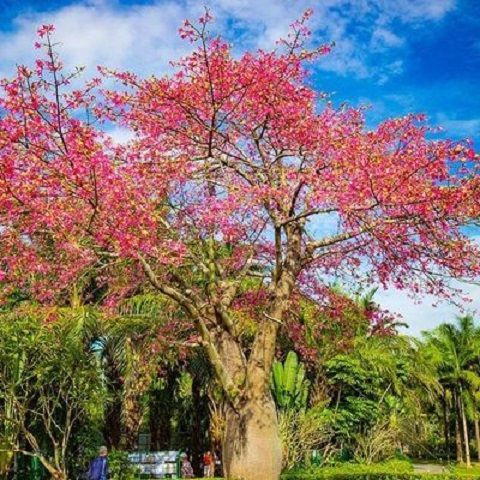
(301, 432)
(54, 395)
(136, 341)
(18, 337)
(456, 351)
(376, 444)
(377, 391)
(120, 467)
(289, 385)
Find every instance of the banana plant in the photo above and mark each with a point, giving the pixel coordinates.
(289, 385)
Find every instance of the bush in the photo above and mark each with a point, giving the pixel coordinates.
(371, 476)
(120, 467)
(377, 444)
(385, 470)
(300, 433)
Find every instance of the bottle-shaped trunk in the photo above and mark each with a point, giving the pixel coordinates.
(251, 443)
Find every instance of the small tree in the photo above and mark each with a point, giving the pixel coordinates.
(61, 386)
(18, 338)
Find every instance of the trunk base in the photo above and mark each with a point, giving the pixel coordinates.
(251, 444)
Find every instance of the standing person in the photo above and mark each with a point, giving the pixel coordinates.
(99, 467)
(208, 465)
(186, 468)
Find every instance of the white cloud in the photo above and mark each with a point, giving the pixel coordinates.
(121, 135)
(144, 38)
(390, 69)
(428, 312)
(421, 10)
(459, 127)
(423, 315)
(383, 37)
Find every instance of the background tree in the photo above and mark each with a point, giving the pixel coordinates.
(19, 336)
(456, 349)
(54, 395)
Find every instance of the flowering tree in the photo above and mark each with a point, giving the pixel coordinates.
(221, 200)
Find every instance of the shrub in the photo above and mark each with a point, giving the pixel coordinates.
(120, 467)
(377, 444)
(300, 433)
(385, 470)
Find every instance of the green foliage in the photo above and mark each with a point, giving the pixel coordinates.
(463, 471)
(378, 391)
(289, 385)
(120, 467)
(364, 402)
(352, 470)
(302, 431)
(84, 446)
(454, 350)
(371, 476)
(44, 395)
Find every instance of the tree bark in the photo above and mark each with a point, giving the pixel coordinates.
(477, 437)
(160, 415)
(251, 447)
(132, 417)
(458, 435)
(112, 431)
(446, 424)
(465, 432)
(251, 443)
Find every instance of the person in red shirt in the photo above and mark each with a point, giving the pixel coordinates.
(208, 465)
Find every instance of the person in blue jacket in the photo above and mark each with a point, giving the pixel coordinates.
(99, 467)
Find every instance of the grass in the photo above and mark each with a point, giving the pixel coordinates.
(462, 471)
(400, 467)
(389, 470)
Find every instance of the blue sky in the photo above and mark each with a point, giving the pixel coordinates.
(397, 56)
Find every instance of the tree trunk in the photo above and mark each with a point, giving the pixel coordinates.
(477, 437)
(251, 443)
(132, 418)
(55, 473)
(161, 410)
(251, 440)
(465, 432)
(251, 446)
(446, 425)
(199, 418)
(112, 430)
(458, 435)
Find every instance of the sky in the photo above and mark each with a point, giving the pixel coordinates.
(396, 56)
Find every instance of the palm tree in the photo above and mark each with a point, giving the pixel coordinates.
(457, 352)
(126, 351)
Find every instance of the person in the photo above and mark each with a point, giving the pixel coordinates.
(186, 468)
(99, 467)
(208, 465)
